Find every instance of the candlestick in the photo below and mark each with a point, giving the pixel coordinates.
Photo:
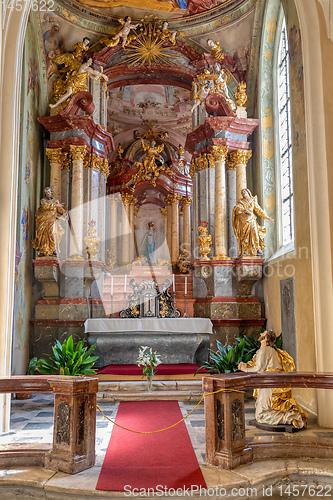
(185, 285)
(173, 282)
(186, 315)
(125, 282)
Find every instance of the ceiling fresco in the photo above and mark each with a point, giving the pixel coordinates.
(164, 9)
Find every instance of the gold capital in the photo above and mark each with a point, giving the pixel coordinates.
(96, 162)
(65, 161)
(193, 167)
(105, 169)
(55, 155)
(175, 198)
(113, 200)
(219, 152)
(187, 200)
(128, 198)
(240, 156)
(168, 199)
(231, 162)
(164, 211)
(77, 152)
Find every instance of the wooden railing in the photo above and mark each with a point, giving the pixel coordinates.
(226, 444)
(73, 448)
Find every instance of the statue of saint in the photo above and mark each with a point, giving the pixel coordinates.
(221, 84)
(150, 243)
(249, 234)
(48, 229)
(152, 164)
(274, 406)
(75, 81)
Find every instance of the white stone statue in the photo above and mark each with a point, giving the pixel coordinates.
(200, 96)
(221, 84)
(125, 30)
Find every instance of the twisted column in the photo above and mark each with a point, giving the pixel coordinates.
(77, 154)
(221, 248)
(56, 158)
(239, 158)
(187, 200)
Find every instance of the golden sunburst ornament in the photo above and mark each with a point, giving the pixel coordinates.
(147, 49)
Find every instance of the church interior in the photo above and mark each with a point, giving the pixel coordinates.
(166, 183)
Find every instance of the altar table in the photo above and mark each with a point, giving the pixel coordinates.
(177, 340)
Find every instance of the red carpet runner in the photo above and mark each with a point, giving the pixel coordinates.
(159, 461)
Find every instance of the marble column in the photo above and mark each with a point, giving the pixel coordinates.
(131, 224)
(175, 228)
(76, 213)
(181, 228)
(187, 200)
(167, 201)
(206, 183)
(56, 157)
(126, 228)
(239, 158)
(113, 201)
(231, 202)
(221, 246)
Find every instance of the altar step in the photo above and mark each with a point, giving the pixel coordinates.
(178, 390)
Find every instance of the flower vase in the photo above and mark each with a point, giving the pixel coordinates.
(149, 381)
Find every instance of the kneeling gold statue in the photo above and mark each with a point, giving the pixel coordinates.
(48, 230)
(274, 406)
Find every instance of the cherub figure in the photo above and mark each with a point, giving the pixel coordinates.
(75, 82)
(166, 33)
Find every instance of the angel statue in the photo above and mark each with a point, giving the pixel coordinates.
(201, 94)
(75, 81)
(217, 52)
(166, 33)
(249, 234)
(123, 33)
(221, 84)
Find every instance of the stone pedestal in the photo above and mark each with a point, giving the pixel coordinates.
(46, 271)
(74, 425)
(225, 428)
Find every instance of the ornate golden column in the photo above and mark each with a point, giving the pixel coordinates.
(77, 154)
(187, 200)
(125, 228)
(221, 247)
(175, 228)
(56, 158)
(239, 158)
(113, 200)
(168, 200)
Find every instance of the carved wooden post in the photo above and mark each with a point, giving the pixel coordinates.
(74, 424)
(225, 426)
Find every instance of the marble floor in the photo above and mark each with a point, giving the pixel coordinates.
(32, 422)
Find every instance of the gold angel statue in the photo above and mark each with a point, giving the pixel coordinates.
(48, 229)
(122, 33)
(217, 51)
(249, 234)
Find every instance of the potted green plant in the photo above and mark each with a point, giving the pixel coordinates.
(66, 360)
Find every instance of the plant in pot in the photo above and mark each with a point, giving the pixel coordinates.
(66, 360)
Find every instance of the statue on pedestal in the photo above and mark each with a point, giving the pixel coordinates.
(221, 84)
(48, 230)
(274, 406)
(249, 234)
(150, 243)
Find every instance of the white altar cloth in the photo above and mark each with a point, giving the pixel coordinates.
(171, 325)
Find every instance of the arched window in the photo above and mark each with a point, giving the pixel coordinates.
(285, 160)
